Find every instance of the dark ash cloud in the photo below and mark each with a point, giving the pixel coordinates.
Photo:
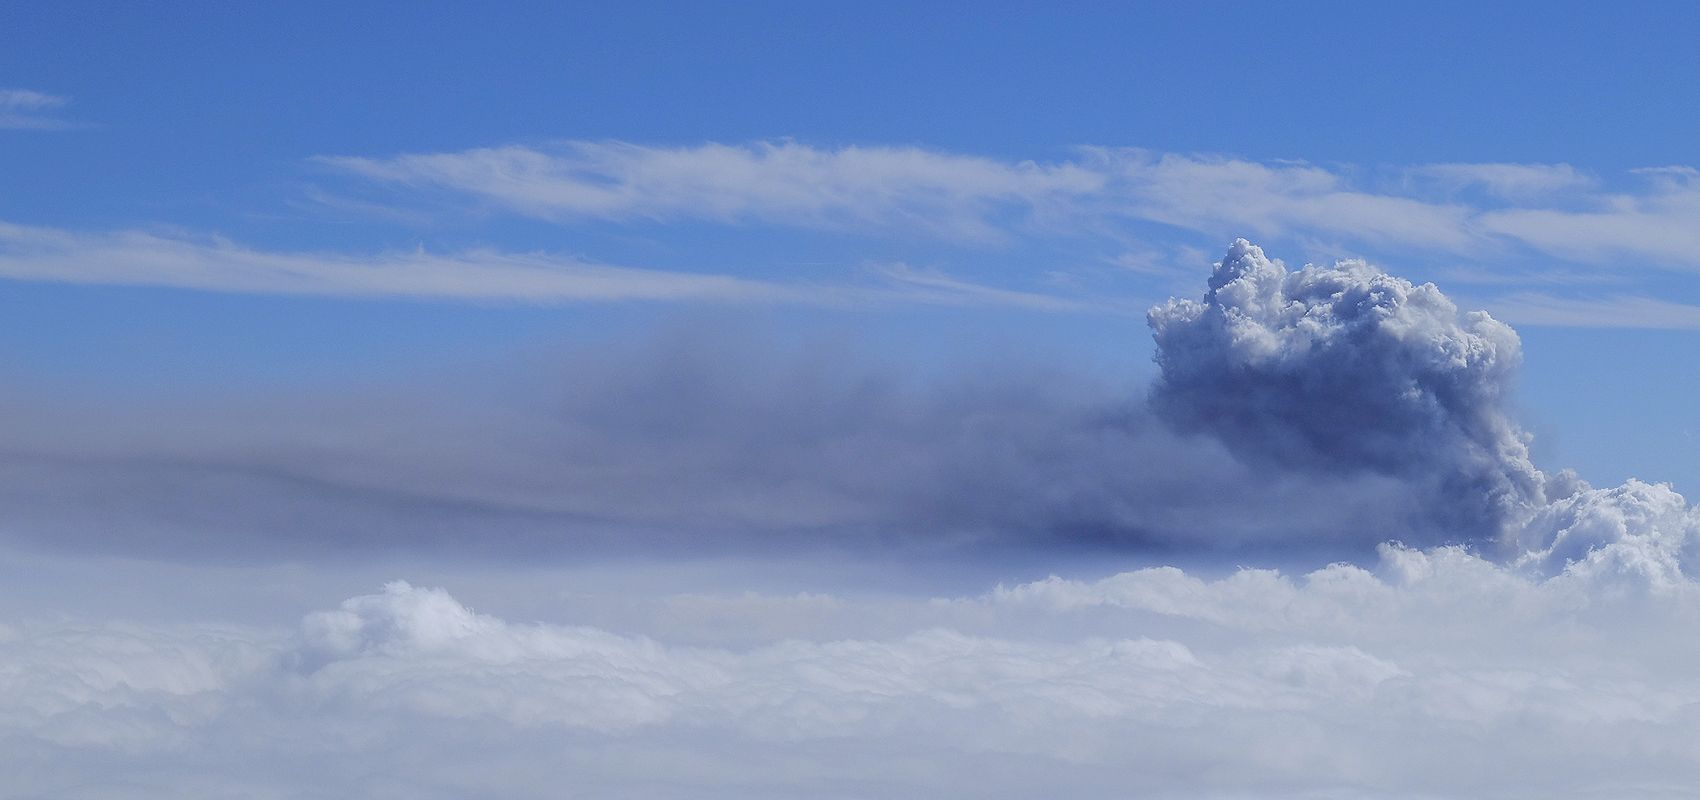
(1347, 369)
(694, 443)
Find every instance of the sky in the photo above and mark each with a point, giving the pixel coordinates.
(775, 400)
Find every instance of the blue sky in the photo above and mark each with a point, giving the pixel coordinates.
(775, 399)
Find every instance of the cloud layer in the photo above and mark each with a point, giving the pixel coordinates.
(1344, 682)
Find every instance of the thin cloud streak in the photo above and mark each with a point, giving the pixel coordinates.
(24, 109)
(944, 194)
(1553, 209)
(1617, 311)
(1509, 181)
(213, 263)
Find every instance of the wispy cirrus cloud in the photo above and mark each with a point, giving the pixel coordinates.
(1456, 208)
(1511, 181)
(1210, 194)
(1613, 311)
(1661, 224)
(952, 195)
(24, 109)
(213, 263)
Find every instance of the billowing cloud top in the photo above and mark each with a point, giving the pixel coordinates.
(1347, 368)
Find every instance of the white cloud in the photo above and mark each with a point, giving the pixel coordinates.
(1215, 195)
(778, 182)
(1661, 225)
(1553, 209)
(1511, 181)
(23, 109)
(140, 258)
(1433, 673)
(1614, 311)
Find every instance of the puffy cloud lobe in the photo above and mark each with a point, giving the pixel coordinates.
(1347, 368)
(1642, 535)
(1345, 681)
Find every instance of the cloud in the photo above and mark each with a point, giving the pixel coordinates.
(1552, 209)
(1347, 368)
(211, 263)
(775, 182)
(1213, 194)
(703, 441)
(1311, 412)
(1639, 534)
(1334, 408)
(23, 109)
(1613, 311)
(1432, 673)
(1510, 181)
(1659, 225)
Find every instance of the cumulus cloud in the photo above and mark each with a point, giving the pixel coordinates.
(1343, 681)
(1346, 369)
(1349, 368)
(1638, 533)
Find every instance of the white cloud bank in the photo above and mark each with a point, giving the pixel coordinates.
(1433, 674)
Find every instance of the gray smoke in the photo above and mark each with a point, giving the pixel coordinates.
(1347, 369)
(1308, 413)
(697, 442)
